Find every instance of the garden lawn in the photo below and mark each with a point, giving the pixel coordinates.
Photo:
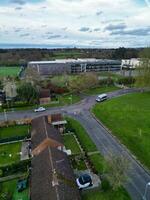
(82, 135)
(99, 90)
(9, 153)
(9, 191)
(98, 162)
(9, 71)
(128, 117)
(120, 194)
(70, 143)
(13, 131)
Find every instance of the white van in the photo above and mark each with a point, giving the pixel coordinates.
(101, 97)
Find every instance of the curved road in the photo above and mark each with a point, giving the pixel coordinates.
(105, 142)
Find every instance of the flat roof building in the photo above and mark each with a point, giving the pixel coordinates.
(74, 66)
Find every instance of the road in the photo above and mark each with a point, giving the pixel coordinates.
(105, 142)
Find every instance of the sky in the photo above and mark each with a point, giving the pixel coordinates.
(75, 23)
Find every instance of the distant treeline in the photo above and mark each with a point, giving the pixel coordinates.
(11, 57)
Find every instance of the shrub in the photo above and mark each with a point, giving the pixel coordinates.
(126, 80)
(105, 185)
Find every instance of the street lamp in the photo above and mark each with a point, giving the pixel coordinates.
(144, 196)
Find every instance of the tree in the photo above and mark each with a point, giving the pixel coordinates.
(143, 78)
(32, 76)
(117, 170)
(83, 82)
(27, 93)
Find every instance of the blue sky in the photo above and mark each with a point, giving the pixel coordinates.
(86, 23)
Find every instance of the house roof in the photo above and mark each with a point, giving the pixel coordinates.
(52, 177)
(44, 93)
(42, 130)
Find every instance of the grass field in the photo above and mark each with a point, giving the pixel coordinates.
(9, 191)
(9, 71)
(9, 153)
(83, 137)
(12, 131)
(99, 90)
(129, 119)
(70, 143)
(120, 194)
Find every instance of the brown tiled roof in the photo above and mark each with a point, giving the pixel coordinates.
(52, 177)
(44, 93)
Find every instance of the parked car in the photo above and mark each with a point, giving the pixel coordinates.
(101, 97)
(40, 109)
(84, 181)
(21, 185)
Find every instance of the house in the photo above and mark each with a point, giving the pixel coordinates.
(44, 96)
(57, 121)
(52, 177)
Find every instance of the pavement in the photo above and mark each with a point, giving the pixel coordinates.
(138, 177)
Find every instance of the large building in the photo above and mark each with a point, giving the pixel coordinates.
(74, 66)
(130, 63)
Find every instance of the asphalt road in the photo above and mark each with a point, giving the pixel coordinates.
(105, 142)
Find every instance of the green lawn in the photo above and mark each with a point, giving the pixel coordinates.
(9, 71)
(83, 137)
(98, 163)
(70, 143)
(99, 90)
(9, 191)
(13, 131)
(9, 153)
(128, 117)
(120, 194)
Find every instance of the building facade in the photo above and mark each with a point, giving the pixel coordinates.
(72, 66)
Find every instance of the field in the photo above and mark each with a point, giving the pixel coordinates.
(128, 117)
(120, 194)
(9, 71)
(9, 153)
(70, 143)
(13, 131)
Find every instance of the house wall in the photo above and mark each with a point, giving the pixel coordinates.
(45, 100)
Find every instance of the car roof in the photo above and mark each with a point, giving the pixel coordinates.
(102, 95)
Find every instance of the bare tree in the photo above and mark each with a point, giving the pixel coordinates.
(118, 165)
(32, 76)
(143, 78)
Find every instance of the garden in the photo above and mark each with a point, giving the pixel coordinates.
(95, 160)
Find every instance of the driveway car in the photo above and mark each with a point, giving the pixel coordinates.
(84, 181)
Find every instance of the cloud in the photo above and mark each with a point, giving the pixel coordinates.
(25, 35)
(53, 36)
(134, 32)
(96, 29)
(84, 29)
(99, 13)
(111, 27)
(20, 2)
(18, 8)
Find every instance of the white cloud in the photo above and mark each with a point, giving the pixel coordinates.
(67, 20)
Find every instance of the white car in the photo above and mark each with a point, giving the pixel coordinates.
(101, 97)
(84, 181)
(40, 109)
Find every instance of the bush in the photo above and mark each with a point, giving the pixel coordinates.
(13, 168)
(107, 82)
(105, 185)
(126, 80)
